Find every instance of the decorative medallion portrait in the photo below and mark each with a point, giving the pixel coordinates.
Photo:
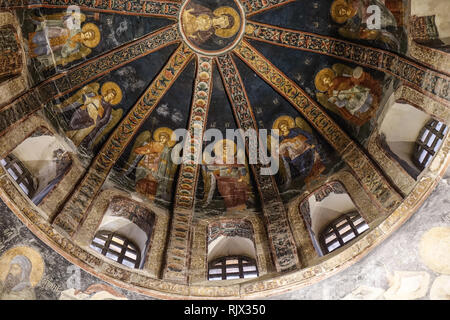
(212, 27)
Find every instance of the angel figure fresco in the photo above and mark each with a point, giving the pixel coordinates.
(227, 172)
(60, 39)
(297, 150)
(94, 115)
(353, 15)
(154, 166)
(200, 23)
(352, 93)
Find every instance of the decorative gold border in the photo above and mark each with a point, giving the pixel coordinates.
(431, 57)
(409, 95)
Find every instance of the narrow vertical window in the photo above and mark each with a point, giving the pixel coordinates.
(428, 143)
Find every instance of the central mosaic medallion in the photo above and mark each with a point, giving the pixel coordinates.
(212, 27)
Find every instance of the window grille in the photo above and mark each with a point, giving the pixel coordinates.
(428, 143)
(20, 174)
(117, 248)
(232, 267)
(341, 231)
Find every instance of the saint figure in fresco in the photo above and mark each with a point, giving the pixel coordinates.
(228, 175)
(155, 168)
(297, 150)
(354, 16)
(200, 23)
(352, 93)
(94, 112)
(17, 285)
(59, 39)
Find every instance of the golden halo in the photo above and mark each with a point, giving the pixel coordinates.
(96, 40)
(284, 119)
(218, 146)
(168, 132)
(37, 264)
(112, 86)
(321, 75)
(336, 7)
(231, 31)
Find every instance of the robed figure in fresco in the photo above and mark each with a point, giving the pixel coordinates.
(60, 39)
(155, 168)
(200, 23)
(352, 93)
(353, 15)
(228, 172)
(297, 150)
(17, 284)
(93, 114)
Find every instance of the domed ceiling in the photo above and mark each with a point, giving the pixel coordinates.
(100, 98)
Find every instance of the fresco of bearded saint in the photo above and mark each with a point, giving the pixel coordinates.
(17, 284)
(200, 23)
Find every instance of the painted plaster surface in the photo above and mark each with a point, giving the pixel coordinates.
(118, 87)
(370, 277)
(440, 8)
(60, 280)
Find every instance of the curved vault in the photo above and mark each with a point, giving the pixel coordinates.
(88, 92)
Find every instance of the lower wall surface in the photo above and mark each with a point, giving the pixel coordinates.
(405, 255)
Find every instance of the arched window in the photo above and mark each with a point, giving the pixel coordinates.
(20, 174)
(428, 142)
(342, 230)
(117, 248)
(399, 132)
(232, 267)
(38, 164)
